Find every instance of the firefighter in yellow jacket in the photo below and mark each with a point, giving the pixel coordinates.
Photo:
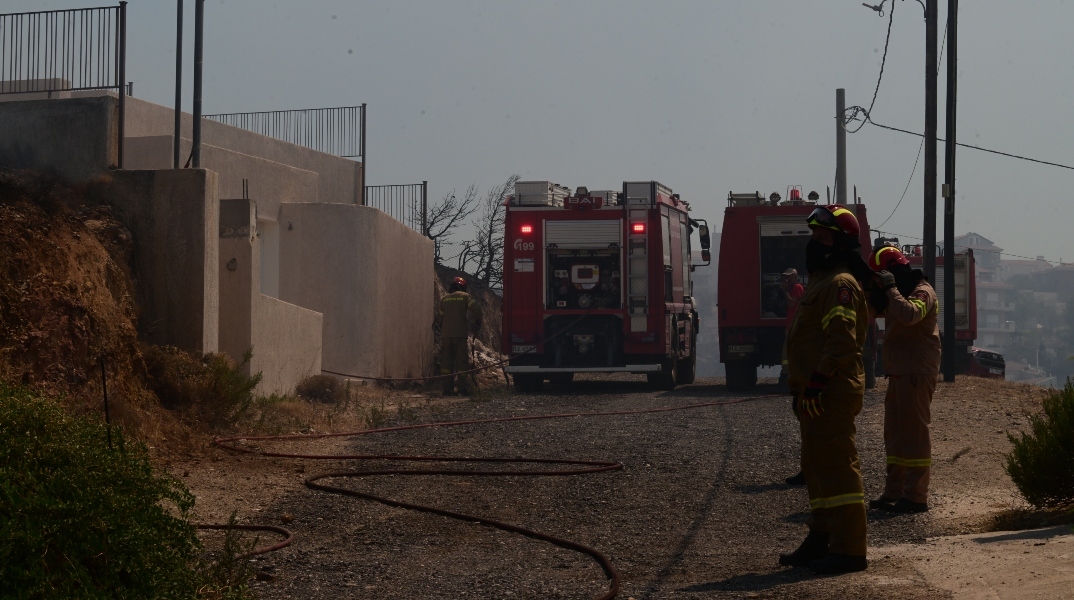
(459, 313)
(911, 361)
(827, 381)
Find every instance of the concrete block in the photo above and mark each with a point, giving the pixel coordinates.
(285, 339)
(372, 279)
(174, 218)
(76, 139)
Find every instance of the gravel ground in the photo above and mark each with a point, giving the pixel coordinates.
(699, 509)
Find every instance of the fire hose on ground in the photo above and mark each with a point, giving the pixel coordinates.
(571, 467)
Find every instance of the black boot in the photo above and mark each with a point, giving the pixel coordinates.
(905, 506)
(837, 564)
(882, 503)
(798, 479)
(815, 546)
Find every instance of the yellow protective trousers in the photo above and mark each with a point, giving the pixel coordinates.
(907, 416)
(454, 358)
(833, 473)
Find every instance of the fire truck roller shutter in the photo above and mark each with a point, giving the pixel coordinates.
(584, 234)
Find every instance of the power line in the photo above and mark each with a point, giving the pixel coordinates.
(921, 147)
(879, 78)
(939, 139)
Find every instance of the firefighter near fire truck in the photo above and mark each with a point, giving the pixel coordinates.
(909, 306)
(827, 381)
(459, 314)
(600, 282)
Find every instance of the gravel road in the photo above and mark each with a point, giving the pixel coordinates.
(699, 509)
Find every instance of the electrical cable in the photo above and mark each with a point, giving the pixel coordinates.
(971, 146)
(883, 61)
(580, 467)
(943, 45)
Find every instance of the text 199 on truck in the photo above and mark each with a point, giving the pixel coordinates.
(762, 238)
(599, 282)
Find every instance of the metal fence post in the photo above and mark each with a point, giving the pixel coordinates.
(425, 208)
(199, 43)
(176, 144)
(121, 77)
(365, 162)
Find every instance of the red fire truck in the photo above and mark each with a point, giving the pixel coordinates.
(762, 238)
(599, 281)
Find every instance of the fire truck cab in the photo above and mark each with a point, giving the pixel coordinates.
(762, 238)
(599, 281)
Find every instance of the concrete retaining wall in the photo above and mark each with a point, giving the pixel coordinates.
(370, 276)
(271, 183)
(285, 339)
(73, 138)
(173, 216)
(341, 178)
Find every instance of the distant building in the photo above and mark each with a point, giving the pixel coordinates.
(1013, 268)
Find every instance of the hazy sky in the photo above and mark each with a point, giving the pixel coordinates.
(704, 96)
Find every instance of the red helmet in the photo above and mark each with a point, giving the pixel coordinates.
(459, 283)
(837, 218)
(886, 257)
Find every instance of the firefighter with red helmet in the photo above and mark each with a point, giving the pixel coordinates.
(827, 381)
(912, 361)
(458, 315)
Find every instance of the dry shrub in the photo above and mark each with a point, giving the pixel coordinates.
(322, 388)
(213, 389)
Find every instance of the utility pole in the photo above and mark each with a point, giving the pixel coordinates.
(840, 148)
(178, 86)
(199, 43)
(949, 196)
(929, 229)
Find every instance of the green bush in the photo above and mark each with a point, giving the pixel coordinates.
(1041, 464)
(80, 520)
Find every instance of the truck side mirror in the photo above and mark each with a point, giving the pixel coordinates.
(703, 233)
(706, 255)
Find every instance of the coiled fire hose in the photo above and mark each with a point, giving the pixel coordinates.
(574, 467)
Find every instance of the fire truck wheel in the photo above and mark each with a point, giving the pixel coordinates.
(687, 370)
(666, 379)
(528, 382)
(741, 375)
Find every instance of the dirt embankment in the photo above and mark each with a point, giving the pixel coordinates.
(68, 305)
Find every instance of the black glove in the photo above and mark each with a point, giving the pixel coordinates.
(879, 300)
(811, 396)
(887, 279)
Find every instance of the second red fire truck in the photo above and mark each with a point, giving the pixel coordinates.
(599, 281)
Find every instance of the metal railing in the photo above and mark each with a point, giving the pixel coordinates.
(408, 203)
(339, 131)
(65, 51)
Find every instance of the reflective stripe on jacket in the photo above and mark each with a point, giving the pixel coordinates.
(911, 333)
(828, 333)
(457, 312)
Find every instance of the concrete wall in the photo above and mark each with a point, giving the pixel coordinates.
(285, 339)
(341, 178)
(271, 183)
(174, 218)
(75, 138)
(371, 277)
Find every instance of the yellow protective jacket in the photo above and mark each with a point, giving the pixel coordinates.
(911, 334)
(458, 312)
(828, 333)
